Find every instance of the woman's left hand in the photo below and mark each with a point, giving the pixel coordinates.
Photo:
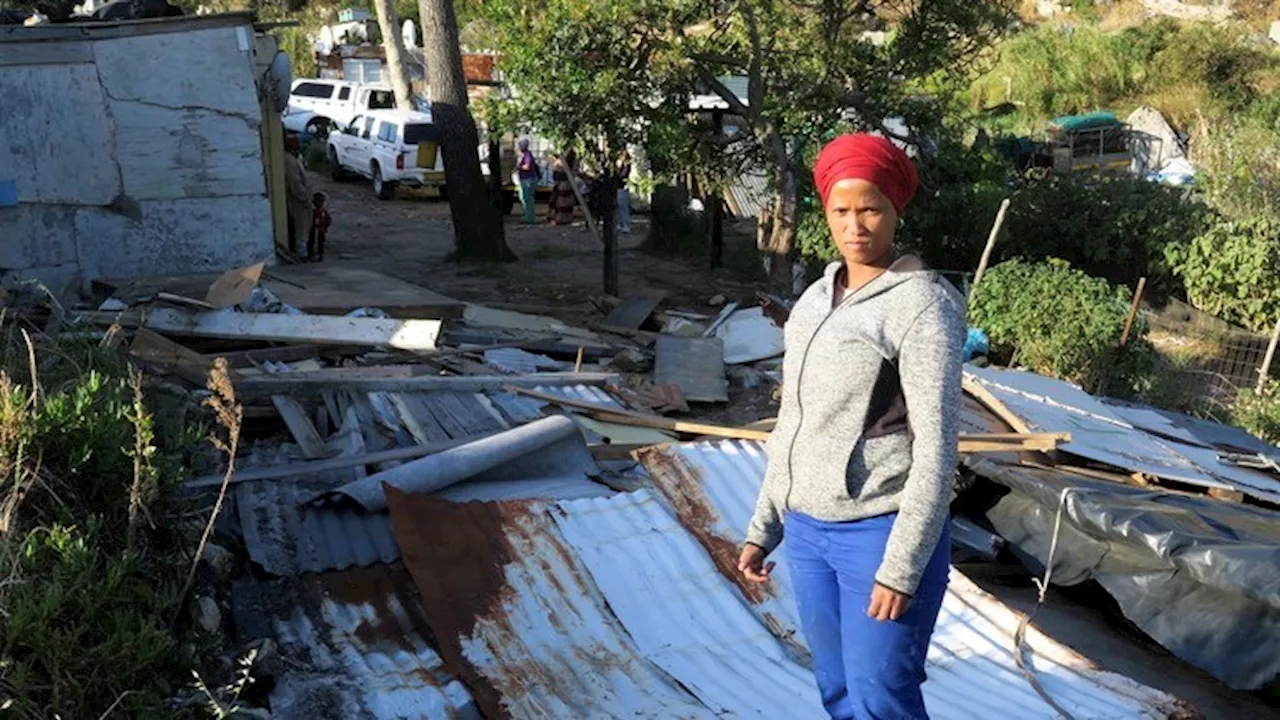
(887, 604)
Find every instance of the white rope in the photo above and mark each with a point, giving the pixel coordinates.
(1019, 637)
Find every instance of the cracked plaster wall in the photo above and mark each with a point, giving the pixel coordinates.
(170, 120)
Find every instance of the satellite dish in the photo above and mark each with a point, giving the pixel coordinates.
(277, 80)
(409, 33)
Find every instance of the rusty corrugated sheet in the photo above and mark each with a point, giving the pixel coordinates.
(971, 671)
(350, 644)
(517, 617)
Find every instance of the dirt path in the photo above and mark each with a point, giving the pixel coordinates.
(411, 238)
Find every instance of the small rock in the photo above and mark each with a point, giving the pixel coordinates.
(206, 614)
(221, 560)
(716, 300)
(745, 377)
(631, 361)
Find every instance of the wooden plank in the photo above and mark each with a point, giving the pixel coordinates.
(975, 389)
(174, 357)
(300, 427)
(302, 383)
(234, 286)
(631, 313)
(1226, 495)
(980, 443)
(418, 419)
(242, 359)
(317, 329)
(695, 365)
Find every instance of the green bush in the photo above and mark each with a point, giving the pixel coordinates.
(1232, 270)
(88, 611)
(1259, 413)
(1060, 322)
(1110, 226)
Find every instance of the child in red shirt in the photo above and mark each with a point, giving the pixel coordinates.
(320, 222)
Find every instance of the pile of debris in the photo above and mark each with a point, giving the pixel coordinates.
(449, 509)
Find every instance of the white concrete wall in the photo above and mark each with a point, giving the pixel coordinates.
(170, 120)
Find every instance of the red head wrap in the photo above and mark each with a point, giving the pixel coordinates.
(867, 157)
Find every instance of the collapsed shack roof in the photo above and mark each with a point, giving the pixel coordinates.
(1201, 577)
(621, 605)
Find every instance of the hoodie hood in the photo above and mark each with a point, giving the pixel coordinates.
(904, 268)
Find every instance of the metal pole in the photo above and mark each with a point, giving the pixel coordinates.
(1265, 372)
(1133, 311)
(991, 242)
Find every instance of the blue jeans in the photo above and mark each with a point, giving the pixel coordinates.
(866, 669)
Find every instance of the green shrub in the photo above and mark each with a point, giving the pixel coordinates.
(1259, 413)
(1232, 270)
(1224, 60)
(1060, 322)
(88, 611)
(1110, 226)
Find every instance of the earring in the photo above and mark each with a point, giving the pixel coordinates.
(901, 223)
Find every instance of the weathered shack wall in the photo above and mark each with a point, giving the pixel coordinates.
(135, 148)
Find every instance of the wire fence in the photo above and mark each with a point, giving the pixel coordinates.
(1211, 359)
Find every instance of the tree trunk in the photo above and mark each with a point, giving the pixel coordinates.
(394, 48)
(496, 195)
(776, 232)
(477, 228)
(609, 230)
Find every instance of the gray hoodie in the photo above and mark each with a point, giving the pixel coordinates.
(870, 413)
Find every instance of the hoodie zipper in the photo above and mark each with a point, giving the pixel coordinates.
(804, 359)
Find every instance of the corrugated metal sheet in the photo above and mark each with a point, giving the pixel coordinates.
(517, 616)
(350, 645)
(971, 671)
(748, 193)
(686, 616)
(1100, 433)
(287, 534)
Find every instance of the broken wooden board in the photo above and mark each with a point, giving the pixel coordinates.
(159, 350)
(326, 380)
(318, 329)
(234, 286)
(481, 316)
(314, 288)
(695, 365)
(980, 443)
(630, 314)
(300, 427)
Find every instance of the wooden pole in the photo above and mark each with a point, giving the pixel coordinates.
(582, 203)
(1264, 372)
(991, 243)
(1133, 311)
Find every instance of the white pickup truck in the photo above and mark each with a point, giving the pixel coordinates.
(318, 106)
(390, 147)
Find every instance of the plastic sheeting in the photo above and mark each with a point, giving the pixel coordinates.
(1199, 576)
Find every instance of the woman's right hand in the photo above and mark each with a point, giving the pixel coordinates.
(752, 565)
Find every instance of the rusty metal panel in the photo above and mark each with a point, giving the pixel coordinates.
(685, 613)
(517, 617)
(350, 644)
(971, 670)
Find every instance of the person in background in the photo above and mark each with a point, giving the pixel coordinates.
(623, 169)
(562, 198)
(863, 457)
(320, 222)
(528, 173)
(299, 193)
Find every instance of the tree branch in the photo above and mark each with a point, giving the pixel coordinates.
(725, 93)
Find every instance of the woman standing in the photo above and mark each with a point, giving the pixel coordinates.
(528, 173)
(562, 198)
(863, 456)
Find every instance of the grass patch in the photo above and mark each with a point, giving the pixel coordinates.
(94, 571)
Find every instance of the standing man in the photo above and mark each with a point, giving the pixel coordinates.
(300, 195)
(528, 172)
